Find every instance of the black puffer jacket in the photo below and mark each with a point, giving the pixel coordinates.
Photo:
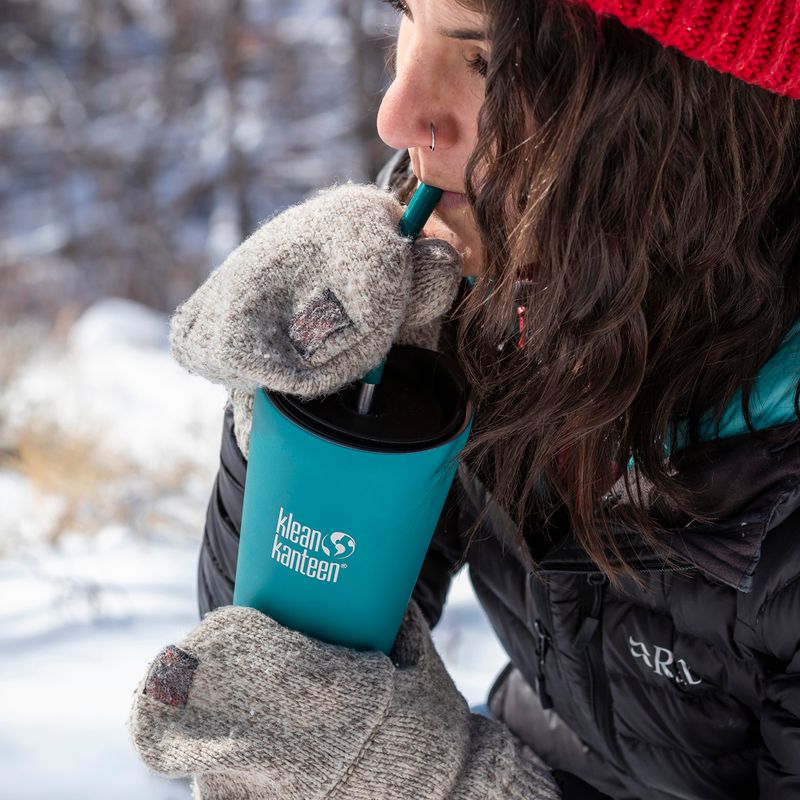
(685, 687)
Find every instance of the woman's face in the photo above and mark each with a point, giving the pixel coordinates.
(441, 59)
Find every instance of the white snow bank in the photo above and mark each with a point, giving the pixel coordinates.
(78, 626)
(116, 383)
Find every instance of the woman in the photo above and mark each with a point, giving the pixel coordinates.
(623, 182)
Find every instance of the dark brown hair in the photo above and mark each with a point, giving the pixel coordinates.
(643, 208)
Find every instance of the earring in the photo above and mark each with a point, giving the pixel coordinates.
(433, 138)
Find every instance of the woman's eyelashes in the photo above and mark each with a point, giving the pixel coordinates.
(399, 6)
(477, 63)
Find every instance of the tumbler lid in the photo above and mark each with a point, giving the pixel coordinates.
(421, 402)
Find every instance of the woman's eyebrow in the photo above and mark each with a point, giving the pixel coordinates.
(464, 34)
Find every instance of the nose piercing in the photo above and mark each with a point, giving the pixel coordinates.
(433, 138)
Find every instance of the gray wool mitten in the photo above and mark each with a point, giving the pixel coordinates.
(314, 299)
(255, 711)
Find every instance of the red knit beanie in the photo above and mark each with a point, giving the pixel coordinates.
(757, 41)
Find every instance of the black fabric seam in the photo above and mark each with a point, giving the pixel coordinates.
(239, 485)
(774, 596)
(690, 697)
(217, 509)
(222, 573)
(694, 757)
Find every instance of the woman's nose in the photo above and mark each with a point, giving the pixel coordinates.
(413, 114)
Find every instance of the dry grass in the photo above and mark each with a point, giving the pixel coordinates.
(18, 343)
(73, 469)
(97, 489)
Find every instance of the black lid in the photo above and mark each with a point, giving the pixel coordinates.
(421, 402)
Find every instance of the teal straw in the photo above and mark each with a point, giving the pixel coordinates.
(419, 208)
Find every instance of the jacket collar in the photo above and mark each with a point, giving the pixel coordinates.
(749, 482)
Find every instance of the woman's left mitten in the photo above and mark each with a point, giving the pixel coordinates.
(315, 297)
(436, 269)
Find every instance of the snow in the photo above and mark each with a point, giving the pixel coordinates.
(82, 617)
(117, 383)
(80, 622)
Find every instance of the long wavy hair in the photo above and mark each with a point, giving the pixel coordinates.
(643, 209)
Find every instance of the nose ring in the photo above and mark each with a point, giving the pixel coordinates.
(433, 138)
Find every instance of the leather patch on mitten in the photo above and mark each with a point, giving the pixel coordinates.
(312, 325)
(170, 676)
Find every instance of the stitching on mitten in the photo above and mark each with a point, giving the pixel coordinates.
(361, 753)
(170, 676)
(313, 324)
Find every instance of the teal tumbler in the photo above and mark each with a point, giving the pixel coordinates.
(340, 507)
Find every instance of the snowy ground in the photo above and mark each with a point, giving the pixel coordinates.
(119, 448)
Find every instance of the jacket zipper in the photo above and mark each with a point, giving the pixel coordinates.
(592, 647)
(543, 641)
(542, 648)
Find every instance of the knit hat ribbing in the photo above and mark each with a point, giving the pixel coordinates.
(757, 41)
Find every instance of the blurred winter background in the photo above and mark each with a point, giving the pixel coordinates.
(140, 142)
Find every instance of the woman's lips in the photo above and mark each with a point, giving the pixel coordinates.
(451, 200)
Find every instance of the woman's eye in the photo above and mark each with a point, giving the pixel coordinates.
(399, 6)
(478, 64)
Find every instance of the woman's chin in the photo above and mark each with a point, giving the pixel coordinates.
(452, 200)
(457, 227)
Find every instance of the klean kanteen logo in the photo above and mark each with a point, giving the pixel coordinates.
(339, 545)
(294, 543)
